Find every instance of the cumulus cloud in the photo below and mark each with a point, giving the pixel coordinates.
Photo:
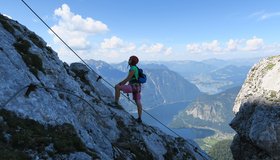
(155, 48)
(116, 43)
(113, 42)
(232, 45)
(213, 46)
(254, 44)
(74, 29)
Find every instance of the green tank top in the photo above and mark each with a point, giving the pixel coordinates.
(134, 79)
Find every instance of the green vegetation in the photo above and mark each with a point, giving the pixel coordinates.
(22, 46)
(33, 61)
(19, 136)
(34, 38)
(269, 66)
(273, 94)
(216, 147)
(272, 57)
(207, 143)
(6, 25)
(221, 150)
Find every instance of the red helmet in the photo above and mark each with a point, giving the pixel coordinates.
(133, 60)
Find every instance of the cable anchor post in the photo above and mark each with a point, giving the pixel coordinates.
(98, 78)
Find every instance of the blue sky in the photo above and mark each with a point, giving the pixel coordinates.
(113, 30)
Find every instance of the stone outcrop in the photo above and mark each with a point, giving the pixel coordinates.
(257, 109)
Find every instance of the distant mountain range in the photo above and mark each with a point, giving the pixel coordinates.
(209, 111)
(213, 75)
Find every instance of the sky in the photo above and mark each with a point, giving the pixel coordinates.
(153, 30)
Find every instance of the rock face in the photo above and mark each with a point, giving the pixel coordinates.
(257, 109)
(208, 111)
(66, 94)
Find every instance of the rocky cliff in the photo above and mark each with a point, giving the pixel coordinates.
(65, 103)
(208, 111)
(257, 109)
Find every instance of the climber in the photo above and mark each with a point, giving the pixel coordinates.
(133, 86)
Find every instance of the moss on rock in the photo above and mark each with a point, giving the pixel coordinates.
(6, 25)
(20, 136)
(33, 61)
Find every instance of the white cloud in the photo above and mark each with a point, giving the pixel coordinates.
(129, 47)
(155, 48)
(116, 43)
(254, 44)
(194, 48)
(213, 46)
(113, 42)
(74, 29)
(232, 45)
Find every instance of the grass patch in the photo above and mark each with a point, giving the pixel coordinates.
(33, 61)
(272, 57)
(269, 66)
(34, 38)
(273, 94)
(22, 46)
(18, 135)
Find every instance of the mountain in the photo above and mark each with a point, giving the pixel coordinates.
(221, 79)
(219, 63)
(52, 110)
(188, 69)
(257, 110)
(208, 111)
(163, 85)
(102, 68)
(211, 76)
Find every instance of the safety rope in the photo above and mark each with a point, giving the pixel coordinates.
(100, 77)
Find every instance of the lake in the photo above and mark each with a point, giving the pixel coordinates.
(165, 113)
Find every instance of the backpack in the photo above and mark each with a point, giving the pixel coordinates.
(142, 78)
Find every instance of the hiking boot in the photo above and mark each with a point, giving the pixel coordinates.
(139, 120)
